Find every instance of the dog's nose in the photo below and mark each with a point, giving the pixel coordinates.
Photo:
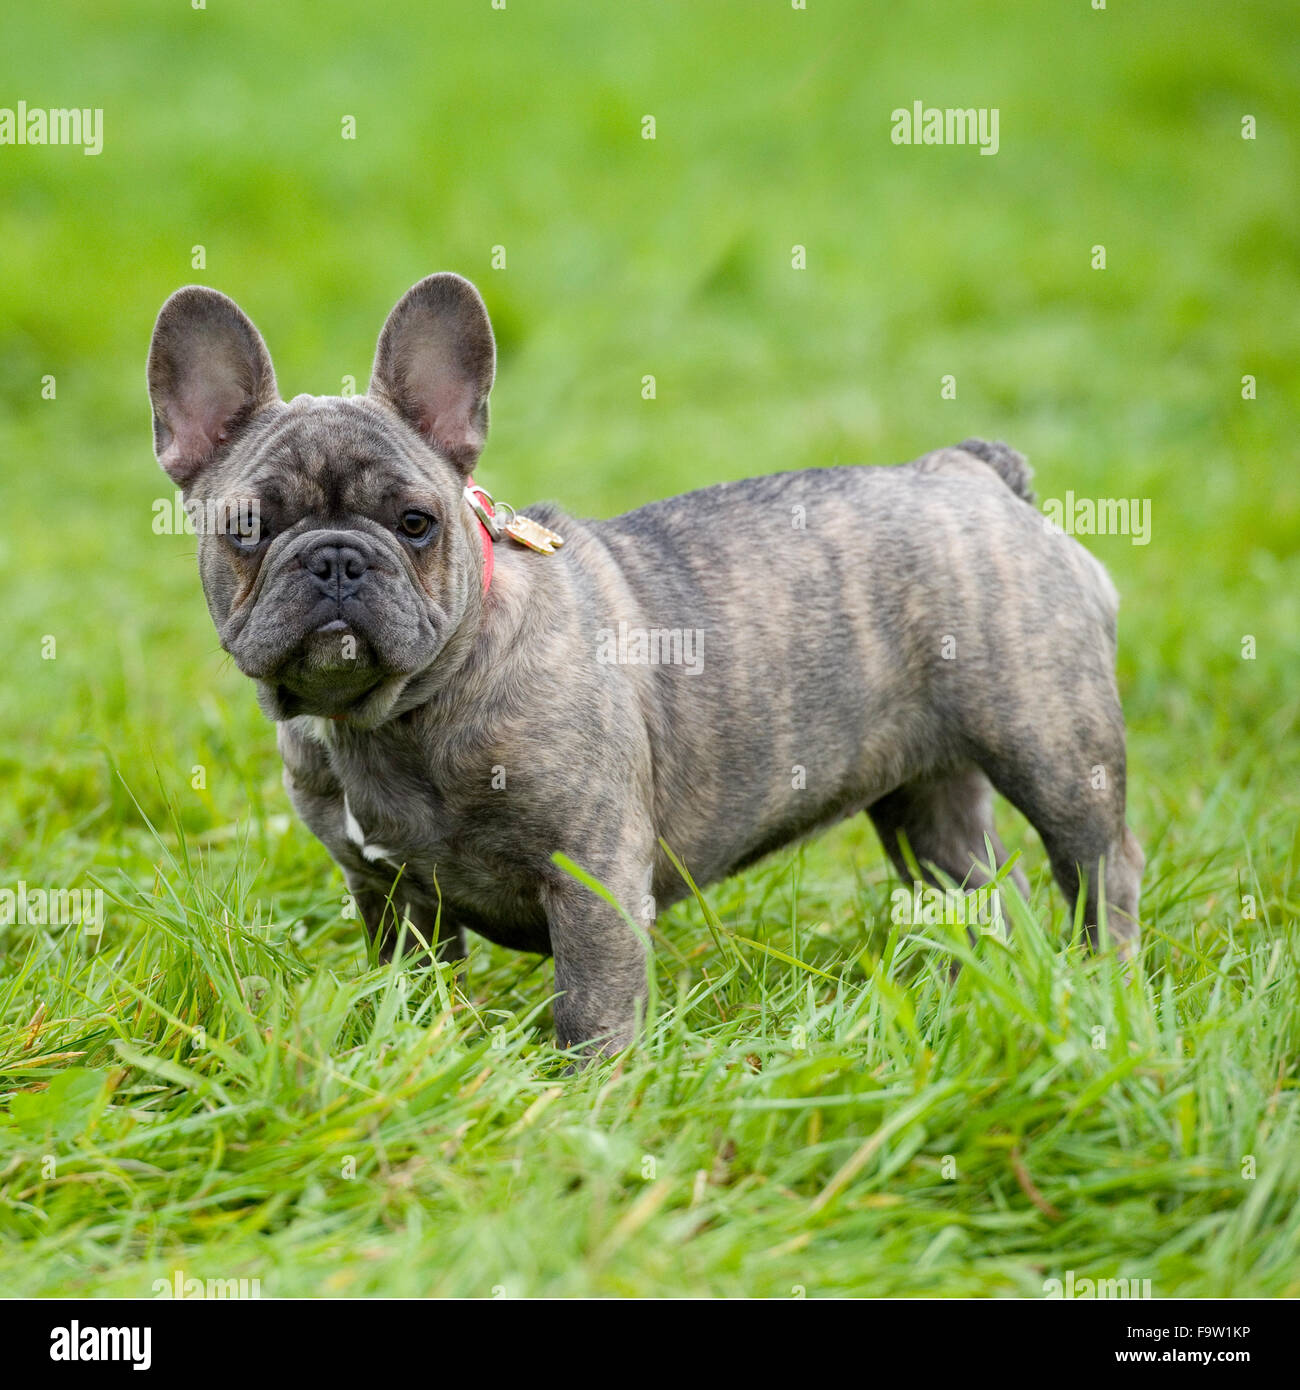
(336, 568)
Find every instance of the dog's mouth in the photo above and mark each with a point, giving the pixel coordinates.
(330, 673)
(347, 654)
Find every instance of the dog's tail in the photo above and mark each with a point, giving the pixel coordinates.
(1005, 462)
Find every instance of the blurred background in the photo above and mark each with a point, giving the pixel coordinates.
(622, 257)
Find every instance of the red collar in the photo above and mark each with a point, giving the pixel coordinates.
(480, 501)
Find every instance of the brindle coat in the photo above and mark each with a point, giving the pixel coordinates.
(895, 640)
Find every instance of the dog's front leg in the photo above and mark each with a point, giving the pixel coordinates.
(600, 960)
(382, 907)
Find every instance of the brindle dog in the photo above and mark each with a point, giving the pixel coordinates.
(723, 672)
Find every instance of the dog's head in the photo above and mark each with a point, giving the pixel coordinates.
(338, 556)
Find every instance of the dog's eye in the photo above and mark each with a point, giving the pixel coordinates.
(416, 526)
(246, 530)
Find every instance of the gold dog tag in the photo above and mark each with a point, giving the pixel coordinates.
(533, 534)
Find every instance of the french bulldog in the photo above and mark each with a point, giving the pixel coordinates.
(715, 675)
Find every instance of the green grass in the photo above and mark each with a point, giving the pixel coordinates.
(222, 1081)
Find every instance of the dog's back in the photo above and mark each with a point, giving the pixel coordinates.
(811, 641)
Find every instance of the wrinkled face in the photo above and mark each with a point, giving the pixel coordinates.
(341, 561)
(338, 556)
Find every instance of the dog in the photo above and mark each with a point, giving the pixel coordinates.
(459, 700)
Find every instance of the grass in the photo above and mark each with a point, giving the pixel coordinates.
(259, 1105)
(222, 1083)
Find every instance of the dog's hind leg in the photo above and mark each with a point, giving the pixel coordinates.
(1074, 797)
(946, 818)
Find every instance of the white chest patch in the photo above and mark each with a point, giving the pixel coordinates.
(354, 832)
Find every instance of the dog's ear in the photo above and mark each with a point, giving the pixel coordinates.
(435, 364)
(209, 373)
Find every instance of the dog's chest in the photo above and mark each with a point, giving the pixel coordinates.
(373, 849)
(389, 813)
(393, 809)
